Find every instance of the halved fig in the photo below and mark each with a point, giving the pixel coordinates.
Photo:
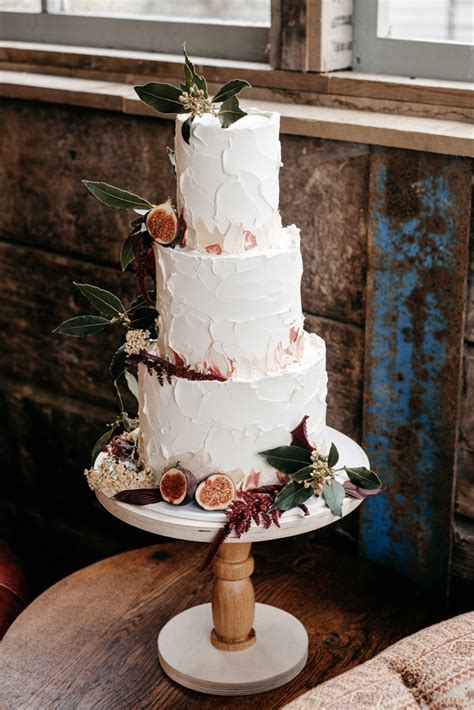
(177, 486)
(216, 492)
(162, 223)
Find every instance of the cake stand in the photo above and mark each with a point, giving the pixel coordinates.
(234, 646)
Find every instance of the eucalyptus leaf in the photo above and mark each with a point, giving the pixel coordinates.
(186, 128)
(291, 496)
(132, 383)
(363, 477)
(82, 325)
(230, 89)
(288, 459)
(127, 255)
(303, 474)
(334, 495)
(333, 456)
(102, 442)
(230, 112)
(171, 156)
(117, 366)
(115, 197)
(105, 301)
(161, 97)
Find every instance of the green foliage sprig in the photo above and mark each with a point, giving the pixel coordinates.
(192, 97)
(312, 473)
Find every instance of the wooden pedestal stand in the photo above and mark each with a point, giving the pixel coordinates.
(234, 646)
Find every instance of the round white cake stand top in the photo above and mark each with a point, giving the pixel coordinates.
(213, 648)
(190, 522)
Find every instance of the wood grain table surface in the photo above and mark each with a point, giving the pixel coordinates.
(90, 640)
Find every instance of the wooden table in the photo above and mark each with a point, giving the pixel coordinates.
(90, 640)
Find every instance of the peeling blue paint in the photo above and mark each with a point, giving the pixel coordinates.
(415, 284)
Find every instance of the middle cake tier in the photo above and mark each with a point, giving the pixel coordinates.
(233, 315)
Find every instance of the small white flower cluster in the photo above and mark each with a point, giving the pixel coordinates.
(136, 341)
(196, 102)
(321, 473)
(111, 476)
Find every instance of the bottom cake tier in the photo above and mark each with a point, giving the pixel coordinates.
(220, 427)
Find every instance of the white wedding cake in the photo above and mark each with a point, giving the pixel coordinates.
(229, 305)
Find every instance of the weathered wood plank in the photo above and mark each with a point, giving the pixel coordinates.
(288, 35)
(465, 460)
(38, 294)
(345, 364)
(323, 190)
(463, 549)
(43, 160)
(418, 239)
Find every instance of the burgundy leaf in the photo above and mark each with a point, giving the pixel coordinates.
(304, 508)
(139, 496)
(354, 491)
(300, 435)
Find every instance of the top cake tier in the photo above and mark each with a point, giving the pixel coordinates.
(228, 183)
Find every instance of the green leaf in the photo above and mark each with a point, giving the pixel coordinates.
(288, 459)
(186, 129)
(101, 442)
(303, 474)
(82, 325)
(334, 495)
(117, 366)
(135, 222)
(363, 477)
(291, 496)
(127, 255)
(161, 97)
(333, 456)
(171, 156)
(105, 301)
(142, 318)
(190, 75)
(115, 197)
(132, 383)
(230, 112)
(230, 89)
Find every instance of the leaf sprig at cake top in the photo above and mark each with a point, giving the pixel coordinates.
(231, 390)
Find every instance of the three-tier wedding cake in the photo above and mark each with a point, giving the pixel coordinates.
(229, 304)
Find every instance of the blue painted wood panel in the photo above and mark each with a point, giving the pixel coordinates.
(417, 253)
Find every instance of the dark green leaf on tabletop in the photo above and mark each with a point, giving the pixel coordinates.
(115, 197)
(334, 494)
(303, 474)
(82, 325)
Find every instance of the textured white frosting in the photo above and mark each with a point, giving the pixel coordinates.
(213, 426)
(228, 186)
(235, 314)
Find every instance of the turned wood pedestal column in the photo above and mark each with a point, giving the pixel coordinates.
(233, 598)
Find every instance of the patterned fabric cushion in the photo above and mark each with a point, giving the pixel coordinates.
(432, 669)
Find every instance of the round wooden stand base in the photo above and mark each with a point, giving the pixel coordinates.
(277, 656)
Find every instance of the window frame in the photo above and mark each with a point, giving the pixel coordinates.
(215, 39)
(403, 57)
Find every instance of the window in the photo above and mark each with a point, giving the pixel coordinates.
(211, 28)
(420, 38)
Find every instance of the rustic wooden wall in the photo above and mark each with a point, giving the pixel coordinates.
(56, 394)
(56, 390)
